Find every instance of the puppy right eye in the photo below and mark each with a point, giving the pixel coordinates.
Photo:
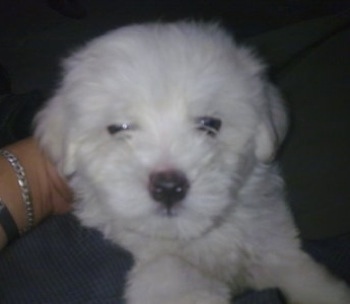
(115, 128)
(208, 124)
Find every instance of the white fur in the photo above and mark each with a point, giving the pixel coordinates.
(233, 229)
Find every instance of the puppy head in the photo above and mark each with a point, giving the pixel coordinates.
(159, 125)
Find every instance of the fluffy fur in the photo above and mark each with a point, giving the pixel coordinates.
(232, 230)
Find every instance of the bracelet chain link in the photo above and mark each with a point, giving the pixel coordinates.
(23, 184)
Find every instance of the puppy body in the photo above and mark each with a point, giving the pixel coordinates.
(181, 100)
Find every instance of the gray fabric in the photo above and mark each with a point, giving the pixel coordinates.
(61, 262)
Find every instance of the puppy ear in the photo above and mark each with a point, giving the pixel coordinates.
(53, 134)
(272, 127)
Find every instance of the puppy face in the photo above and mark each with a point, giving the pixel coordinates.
(159, 126)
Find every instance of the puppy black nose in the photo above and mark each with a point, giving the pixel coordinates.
(168, 187)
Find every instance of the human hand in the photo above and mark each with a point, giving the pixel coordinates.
(50, 192)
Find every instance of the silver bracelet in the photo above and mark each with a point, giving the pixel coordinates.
(23, 184)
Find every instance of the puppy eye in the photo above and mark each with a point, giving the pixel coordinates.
(210, 125)
(115, 128)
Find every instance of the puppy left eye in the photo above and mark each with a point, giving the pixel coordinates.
(116, 128)
(210, 125)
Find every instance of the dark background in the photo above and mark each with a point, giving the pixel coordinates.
(33, 36)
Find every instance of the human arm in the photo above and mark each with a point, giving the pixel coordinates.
(49, 192)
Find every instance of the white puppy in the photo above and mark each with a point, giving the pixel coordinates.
(167, 133)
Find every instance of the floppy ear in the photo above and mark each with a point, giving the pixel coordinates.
(272, 127)
(53, 133)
